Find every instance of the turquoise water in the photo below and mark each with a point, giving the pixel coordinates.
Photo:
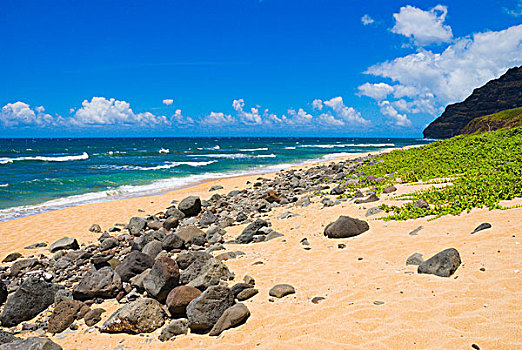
(39, 175)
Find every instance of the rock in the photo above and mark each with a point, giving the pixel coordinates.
(481, 227)
(93, 316)
(171, 223)
(19, 265)
(207, 219)
(3, 293)
(152, 248)
(137, 281)
(337, 190)
(389, 189)
(32, 343)
(174, 213)
(144, 315)
(414, 232)
(174, 328)
(415, 259)
(345, 227)
(249, 279)
(241, 217)
(442, 264)
(281, 290)
(102, 283)
(6, 337)
(179, 298)
(136, 224)
(317, 300)
(62, 295)
(373, 211)
(134, 264)
(215, 188)
(211, 273)
(163, 276)
(189, 232)
(36, 245)
(247, 294)
(190, 206)
(63, 263)
(204, 311)
(172, 241)
(64, 244)
(239, 287)
(95, 228)
(12, 257)
(371, 198)
(109, 243)
(420, 203)
(232, 317)
(251, 230)
(154, 225)
(304, 241)
(272, 196)
(65, 314)
(273, 235)
(31, 298)
(186, 259)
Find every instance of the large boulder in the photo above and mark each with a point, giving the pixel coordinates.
(136, 224)
(345, 227)
(134, 264)
(163, 276)
(175, 213)
(144, 315)
(251, 230)
(64, 315)
(31, 298)
(102, 283)
(371, 198)
(190, 206)
(204, 311)
(207, 219)
(212, 272)
(152, 248)
(232, 317)
(32, 343)
(64, 244)
(442, 264)
(171, 223)
(172, 241)
(185, 259)
(188, 233)
(179, 298)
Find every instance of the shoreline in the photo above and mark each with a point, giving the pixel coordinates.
(52, 205)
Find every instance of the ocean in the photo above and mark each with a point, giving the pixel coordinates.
(38, 175)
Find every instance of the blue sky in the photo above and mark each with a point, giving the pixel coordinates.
(246, 67)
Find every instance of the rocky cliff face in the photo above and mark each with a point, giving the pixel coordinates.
(497, 95)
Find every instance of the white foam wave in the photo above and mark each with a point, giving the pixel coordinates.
(348, 145)
(111, 153)
(253, 149)
(266, 156)
(167, 165)
(4, 185)
(222, 155)
(291, 147)
(82, 156)
(164, 151)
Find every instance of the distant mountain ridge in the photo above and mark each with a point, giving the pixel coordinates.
(497, 95)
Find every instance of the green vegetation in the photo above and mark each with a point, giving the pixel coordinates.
(506, 119)
(475, 171)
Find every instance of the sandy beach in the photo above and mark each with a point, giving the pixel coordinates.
(372, 300)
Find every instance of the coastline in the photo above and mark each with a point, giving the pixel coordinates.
(474, 306)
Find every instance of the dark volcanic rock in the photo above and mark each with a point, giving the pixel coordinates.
(174, 213)
(163, 276)
(389, 189)
(175, 327)
(152, 249)
(207, 219)
(12, 257)
(442, 264)
(189, 232)
(420, 203)
(281, 290)
(239, 287)
(144, 315)
(93, 316)
(184, 260)
(481, 227)
(136, 224)
(251, 230)
(232, 317)
(369, 199)
(102, 283)
(204, 311)
(64, 243)
(179, 298)
(247, 294)
(171, 223)
(337, 190)
(3, 293)
(133, 264)
(345, 227)
(172, 241)
(190, 206)
(31, 298)
(32, 343)
(64, 315)
(497, 95)
(6, 337)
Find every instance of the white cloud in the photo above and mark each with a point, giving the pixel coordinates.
(348, 114)
(515, 12)
(102, 111)
(251, 118)
(317, 104)
(168, 101)
(423, 27)
(20, 114)
(366, 20)
(181, 120)
(395, 117)
(427, 81)
(217, 119)
(377, 91)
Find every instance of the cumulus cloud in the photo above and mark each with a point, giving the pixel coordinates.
(348, 114)
(251, 118)
(182, 121)
(367, 20)
(395, 117)
(317, 104)
(426, 81)
(168, 101)
(423, 27)
(217, 119)
(20, 114)
(102, 111)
